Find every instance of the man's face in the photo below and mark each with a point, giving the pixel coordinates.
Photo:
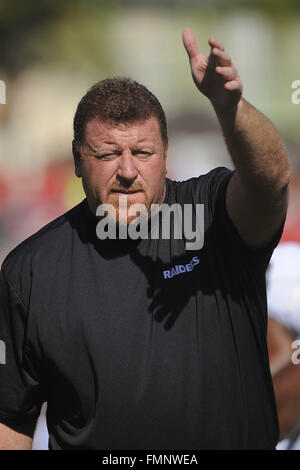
(123, 160)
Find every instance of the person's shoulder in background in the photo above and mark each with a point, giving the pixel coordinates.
(283, 285)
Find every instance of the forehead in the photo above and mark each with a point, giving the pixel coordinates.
(98, 131)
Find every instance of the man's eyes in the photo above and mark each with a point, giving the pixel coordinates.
(140, 154)
(106, 156)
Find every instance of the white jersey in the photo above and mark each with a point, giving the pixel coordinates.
(283, 292)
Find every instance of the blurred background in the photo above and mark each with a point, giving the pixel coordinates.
(52, 51)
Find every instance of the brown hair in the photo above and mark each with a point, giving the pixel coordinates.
(118, 100)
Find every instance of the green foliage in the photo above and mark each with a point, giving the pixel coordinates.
(28, 28)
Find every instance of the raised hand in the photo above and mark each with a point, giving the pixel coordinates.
(215, 76)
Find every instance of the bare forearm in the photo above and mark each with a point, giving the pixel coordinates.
(286, 376)
(287, 393)
(279, 340)
(257, 193)
(256, 149)
(11, 439)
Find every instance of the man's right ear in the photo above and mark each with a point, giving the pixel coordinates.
(76, 156)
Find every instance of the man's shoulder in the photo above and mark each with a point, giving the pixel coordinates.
(216, 173)
(47, 240)
(202, 185)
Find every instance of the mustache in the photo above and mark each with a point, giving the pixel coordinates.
(135, 186)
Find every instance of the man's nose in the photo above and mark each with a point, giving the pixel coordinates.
(127, 167)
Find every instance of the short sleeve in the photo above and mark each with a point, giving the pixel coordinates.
(228, 233)
(20, 384)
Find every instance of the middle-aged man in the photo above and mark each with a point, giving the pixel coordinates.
(147, 343)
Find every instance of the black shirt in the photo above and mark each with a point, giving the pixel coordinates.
(128, 358)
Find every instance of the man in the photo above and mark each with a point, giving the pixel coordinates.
(283, 289)
(143, 343)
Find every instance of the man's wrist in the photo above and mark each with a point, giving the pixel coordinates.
(230, 111)
(228, 118)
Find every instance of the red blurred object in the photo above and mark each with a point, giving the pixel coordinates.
(56, 177)
(3, 192)
(291, 234)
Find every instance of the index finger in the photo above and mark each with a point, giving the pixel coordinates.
(214, 43)
(190, 43)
